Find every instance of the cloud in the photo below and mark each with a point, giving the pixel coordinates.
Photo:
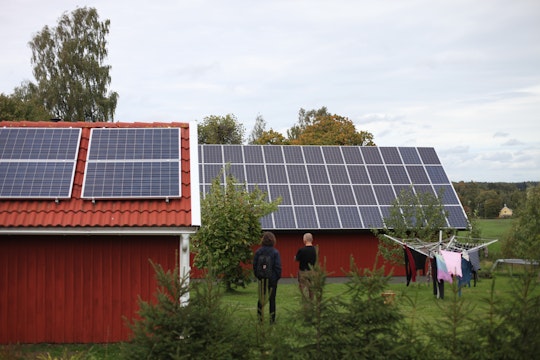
(512, 142)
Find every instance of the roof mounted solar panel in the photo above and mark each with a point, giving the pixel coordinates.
(333, 187)
(133, 163)
(38, 163)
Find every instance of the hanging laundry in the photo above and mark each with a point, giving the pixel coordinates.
(474, 258)
(438, 286)
(419, 260)
(467, 273)
(442, 272)
(410, 267)
(452, 261)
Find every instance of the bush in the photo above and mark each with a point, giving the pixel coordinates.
(201, 329)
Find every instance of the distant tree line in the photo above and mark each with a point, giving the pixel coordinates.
(314, 127)
(485, 199)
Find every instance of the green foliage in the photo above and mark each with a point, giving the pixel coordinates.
(230, 227)
(270, 137)
(319, 127)
(524, 240)
(68, 60)
(453, 336)
(201, 329)
(412, 215)
(23, 104)
(358, 324)
(220, 130)
(64, 356)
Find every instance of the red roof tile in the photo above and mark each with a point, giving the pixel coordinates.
(18, 214)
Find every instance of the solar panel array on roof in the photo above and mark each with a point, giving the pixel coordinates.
(133, 163)
(38, 162)
(332, 187)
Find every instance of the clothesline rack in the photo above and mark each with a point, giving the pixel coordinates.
(429, 248)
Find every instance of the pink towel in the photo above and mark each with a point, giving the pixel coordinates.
(453, 262)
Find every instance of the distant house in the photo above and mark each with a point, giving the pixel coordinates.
(505, 212)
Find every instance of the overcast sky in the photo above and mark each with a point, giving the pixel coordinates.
(460, 76)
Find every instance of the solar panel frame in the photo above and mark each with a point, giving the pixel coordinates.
(255, 173)
(338, 174)
(211, 154)
(285, 218)
(277, 174)
(317, 174)
(417, 174)
(350, 218)
(371, 217)
(332, 155)
(134, 163)
(328, 217)
(297, 174)
(313, 155)
(410, 156)
(352, 155)
(390, 155)
(273, 155)
(38, 163)
(306, 217)
(233, 154)
(398, 175)
(322, 195)
(343, 194)
(253, 155)
(371, 155)
(378, 174)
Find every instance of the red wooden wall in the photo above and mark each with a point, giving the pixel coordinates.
(336, 249)
(76, 289)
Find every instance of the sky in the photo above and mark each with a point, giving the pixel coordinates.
(462, 76)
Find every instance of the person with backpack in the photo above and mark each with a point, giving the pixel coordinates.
(267, 270)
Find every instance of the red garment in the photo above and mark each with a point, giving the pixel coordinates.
(410, 265)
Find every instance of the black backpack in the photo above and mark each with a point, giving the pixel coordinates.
(264, 267)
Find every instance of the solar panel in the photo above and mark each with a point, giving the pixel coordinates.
(306, 217)
(390, 155)
(253, 155)
(332, 155)
(135, 163)
(38, 162)
(313, 155)
(334, 187)
(410, 156)
(293, 155)
(328, 217)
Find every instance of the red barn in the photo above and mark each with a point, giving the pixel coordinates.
(74, 251)
(338, 193)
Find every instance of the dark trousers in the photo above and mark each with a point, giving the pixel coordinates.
(267, 295)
